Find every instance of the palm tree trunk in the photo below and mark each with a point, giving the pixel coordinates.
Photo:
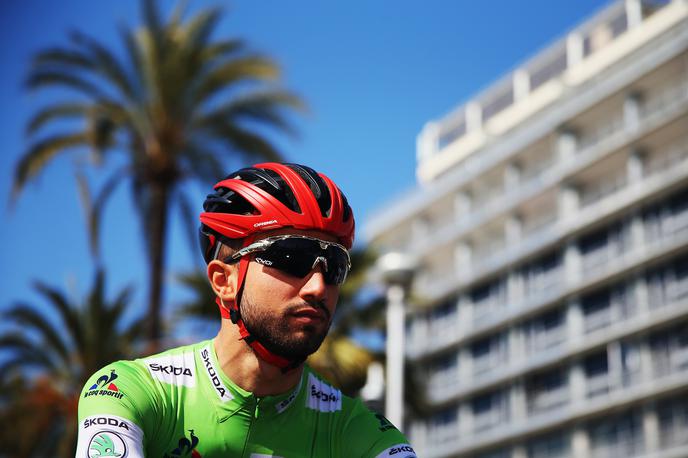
(158, 232)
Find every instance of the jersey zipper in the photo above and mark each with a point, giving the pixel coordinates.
(254, 418)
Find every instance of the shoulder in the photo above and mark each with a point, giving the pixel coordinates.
(134, 387)
(174, 367)
(119, 388)
(373, 434)
(361, 431)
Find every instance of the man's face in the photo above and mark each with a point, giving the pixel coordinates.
(289, 315)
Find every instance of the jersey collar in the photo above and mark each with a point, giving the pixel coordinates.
(230, 399)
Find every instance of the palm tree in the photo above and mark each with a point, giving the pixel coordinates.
(175, 105)
(52, 350)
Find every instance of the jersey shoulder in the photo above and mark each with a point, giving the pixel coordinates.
(137, 388)
(362, 432)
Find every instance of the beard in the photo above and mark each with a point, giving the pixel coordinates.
(278, 335)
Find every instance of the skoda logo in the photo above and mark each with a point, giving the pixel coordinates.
(107, 444)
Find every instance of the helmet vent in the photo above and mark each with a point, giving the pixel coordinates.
(317, 185)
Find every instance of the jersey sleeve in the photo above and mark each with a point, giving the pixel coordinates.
(114, 407)
(371, 435)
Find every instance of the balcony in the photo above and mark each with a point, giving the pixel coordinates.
(652, 117)
(545, 339)
(483, 365)
(489, 419)
(624, 446)
(599, 385)
(444, 380)
(546, 400)
(539, 83)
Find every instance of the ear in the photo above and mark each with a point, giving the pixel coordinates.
(223, 280)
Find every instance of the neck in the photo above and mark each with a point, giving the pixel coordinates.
(246, 369)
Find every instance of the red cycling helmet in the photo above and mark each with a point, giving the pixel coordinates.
(266, 197)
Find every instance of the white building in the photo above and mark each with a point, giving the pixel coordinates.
(551, 223)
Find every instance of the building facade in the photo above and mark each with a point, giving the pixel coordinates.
(550, 221)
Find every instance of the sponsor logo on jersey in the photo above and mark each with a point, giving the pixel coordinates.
(114, 422)
(177, 369)
(385, 425)
(107, 444)
(105, 386)
(220, 388)
(261, 455)
(285, 403)
(186, 447)
(398, 451)
(323, 397)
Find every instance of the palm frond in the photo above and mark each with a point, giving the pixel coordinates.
(50, 78)
(263, 106)
(221, 49)
(189, 217)
(135, 62)
(201, 161)
(94, 207)
(242, 141)
(106, 64)
(197, 31)
(69, 314)
(25, 315)
(56, 111)
(25, 354)
(38, 155)
(230, 72)
(202, 305)
(56, 57)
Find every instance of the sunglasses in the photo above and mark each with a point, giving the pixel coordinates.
(298, 255)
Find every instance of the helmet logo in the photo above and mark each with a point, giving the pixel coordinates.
(265, 223)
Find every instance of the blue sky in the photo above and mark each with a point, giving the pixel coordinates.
(372, 73)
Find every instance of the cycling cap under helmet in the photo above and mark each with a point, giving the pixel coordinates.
(266, 197)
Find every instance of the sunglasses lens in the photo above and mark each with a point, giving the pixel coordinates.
(337, 265)
(297, 257)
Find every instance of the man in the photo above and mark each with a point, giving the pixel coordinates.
(276, 239)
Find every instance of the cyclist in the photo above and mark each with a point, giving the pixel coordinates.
(275, 238)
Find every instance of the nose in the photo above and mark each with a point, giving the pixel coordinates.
(315, 287)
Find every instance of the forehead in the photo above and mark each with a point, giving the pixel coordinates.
(291, 231)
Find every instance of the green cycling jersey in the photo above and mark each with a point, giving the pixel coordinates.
(180, 404)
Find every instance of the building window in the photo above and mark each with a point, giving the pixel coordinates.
(546, 390)
(546, 331)
(443, 372)
(630, 364)
(600, 247)
(499, 453)
(542, 275)
(673, 422)
(488, 298)
(669, 283)
(555, 445)
(489, 410)
(597, 310)
(666, 218)
(621, 435)
(488, 353)
(605, 307)
(443, 426)
(669, 349)
(597, 374)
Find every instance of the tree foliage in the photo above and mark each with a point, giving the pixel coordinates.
(50, 352)
(176, 104)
